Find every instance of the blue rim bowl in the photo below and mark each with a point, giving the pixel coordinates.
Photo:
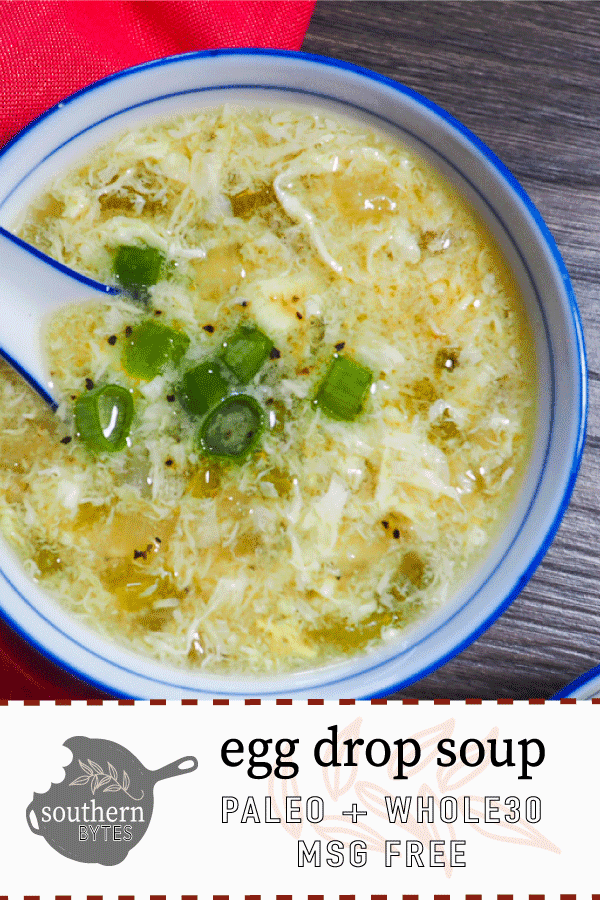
(163, 87)
(585, 687)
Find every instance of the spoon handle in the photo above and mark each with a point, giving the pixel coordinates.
(32, 285)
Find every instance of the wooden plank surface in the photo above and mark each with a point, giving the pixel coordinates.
(525, 77)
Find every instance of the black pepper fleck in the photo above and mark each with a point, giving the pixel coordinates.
(168, 462)
(396, 533)
(158, 540)
(158, 312)
(209, 328)
(170, 398)
(66, 440)
(340, 346)
(275, 353)
(298, 315)
(89, 384)
(385, 524)
(139, 553)
(129, 331)
(112, 340)
(447, 359)
(244, 303)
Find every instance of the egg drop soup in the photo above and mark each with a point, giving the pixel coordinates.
(305, 417)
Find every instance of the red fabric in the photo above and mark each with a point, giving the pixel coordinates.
(50, 49)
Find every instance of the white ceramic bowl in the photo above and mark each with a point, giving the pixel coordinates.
(157, 89)
(586, 687)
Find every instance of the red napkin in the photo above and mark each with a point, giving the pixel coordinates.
(50, 49)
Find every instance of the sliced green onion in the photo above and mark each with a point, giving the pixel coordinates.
(151, 347)
(103, 417)
(202, 387)
(246, 351)
(233, 428)
(137, 268)
(342, 391)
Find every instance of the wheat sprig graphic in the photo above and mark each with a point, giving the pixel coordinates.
(99, 778)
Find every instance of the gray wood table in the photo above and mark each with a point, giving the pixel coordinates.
(525, 77)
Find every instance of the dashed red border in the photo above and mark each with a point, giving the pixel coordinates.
(255, 701)
(315, 897)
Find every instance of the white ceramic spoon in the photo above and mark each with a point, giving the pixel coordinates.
(32, 285)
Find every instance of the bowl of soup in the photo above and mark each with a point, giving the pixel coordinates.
(329, 428)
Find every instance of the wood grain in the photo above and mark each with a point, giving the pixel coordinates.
(525, 77)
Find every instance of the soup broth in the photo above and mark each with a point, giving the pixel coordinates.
(385, 428)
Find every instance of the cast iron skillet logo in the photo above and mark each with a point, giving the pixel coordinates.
(103, 807)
